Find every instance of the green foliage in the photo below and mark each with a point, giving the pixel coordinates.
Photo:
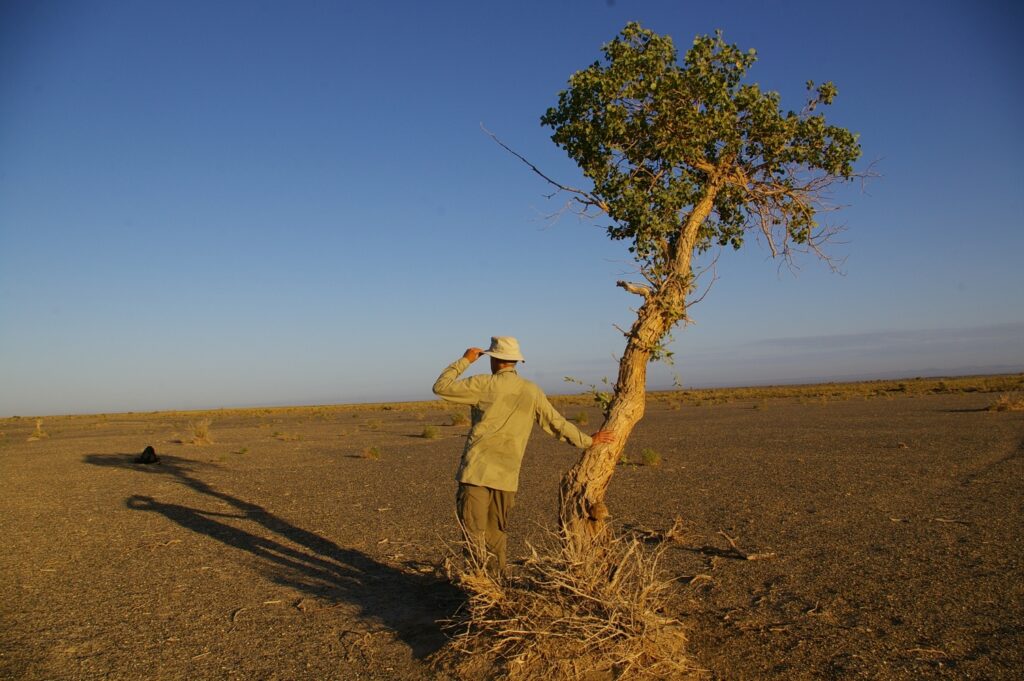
(602, 398)
(655, 137)
(459, 418)
(431, 432)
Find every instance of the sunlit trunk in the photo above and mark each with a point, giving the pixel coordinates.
(582, 511)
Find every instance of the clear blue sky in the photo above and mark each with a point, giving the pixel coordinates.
(210, 204)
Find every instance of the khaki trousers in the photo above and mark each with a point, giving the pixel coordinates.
(483, 513)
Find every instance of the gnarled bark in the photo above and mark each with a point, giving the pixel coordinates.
(582, 511)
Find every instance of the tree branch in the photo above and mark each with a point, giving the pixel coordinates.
(584, 197)
(638, 289)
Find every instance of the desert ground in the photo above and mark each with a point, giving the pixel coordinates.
(307, 543)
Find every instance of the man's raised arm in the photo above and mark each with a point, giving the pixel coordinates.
(446, 385)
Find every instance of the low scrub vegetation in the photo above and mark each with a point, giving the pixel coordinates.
(38, 433)
(823, 394)
(1008, 402)
(200, 431)
(650, 457)
(820, 393)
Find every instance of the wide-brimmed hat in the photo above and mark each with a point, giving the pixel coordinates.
(506, 348)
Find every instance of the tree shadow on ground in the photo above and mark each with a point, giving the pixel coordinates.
(408, 603)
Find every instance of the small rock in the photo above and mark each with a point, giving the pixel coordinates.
(148, 456)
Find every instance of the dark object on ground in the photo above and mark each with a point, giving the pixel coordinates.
(148, 456)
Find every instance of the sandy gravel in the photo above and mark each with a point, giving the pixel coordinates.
(281, 552)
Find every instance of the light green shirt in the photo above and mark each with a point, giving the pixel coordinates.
(504, 409)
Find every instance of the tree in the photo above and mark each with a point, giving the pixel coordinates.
(684, 158)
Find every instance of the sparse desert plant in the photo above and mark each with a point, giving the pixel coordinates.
(200, 431)
(374, 424)
(431, 432)
(650, 457)
(38, 433)
(581, 418)
(624, 459)
(459, 418)
(370, 453)
(1008, 402)
(567, 614)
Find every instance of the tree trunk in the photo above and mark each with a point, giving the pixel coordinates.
(582, 510)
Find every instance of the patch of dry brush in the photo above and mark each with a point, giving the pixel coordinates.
(200, 430)
(1010, 402)
(568, 614)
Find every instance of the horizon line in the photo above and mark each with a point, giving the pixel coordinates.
(1013, 370)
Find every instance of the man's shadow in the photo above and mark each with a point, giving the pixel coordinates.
(408, 603)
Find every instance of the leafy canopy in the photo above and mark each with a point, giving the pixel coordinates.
(656, 136)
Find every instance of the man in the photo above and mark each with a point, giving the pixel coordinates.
(504, 408)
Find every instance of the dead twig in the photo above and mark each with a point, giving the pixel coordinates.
(743, 554)
(928, 651)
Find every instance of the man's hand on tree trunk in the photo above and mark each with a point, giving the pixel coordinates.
(603, 437)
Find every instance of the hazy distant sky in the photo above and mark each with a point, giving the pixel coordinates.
(210, 204)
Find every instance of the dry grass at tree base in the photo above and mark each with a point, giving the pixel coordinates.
(568, 613)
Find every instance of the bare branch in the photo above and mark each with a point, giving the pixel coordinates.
(713, 268)
(583, 197)
(638, 289)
